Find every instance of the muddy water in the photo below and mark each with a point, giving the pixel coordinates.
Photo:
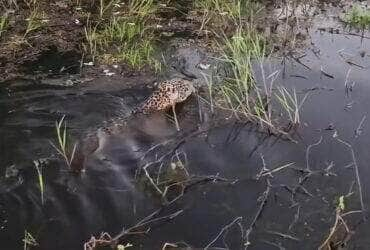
(106, 197)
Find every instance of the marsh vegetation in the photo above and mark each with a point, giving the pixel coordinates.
(358, 17)
(245, 170)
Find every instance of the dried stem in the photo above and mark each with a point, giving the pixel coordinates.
(357, 174)
(223, 230)
(263, 199)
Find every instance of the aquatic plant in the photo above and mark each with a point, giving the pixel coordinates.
(358, 17)
(40, 180)
(28, 240)
(239, 92)
(290, 103)
(62, 145)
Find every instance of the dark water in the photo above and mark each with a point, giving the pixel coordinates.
(106, 196)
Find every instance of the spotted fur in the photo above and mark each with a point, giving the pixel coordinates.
(168, 94)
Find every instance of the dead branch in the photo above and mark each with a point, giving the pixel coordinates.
(296, 217)
(308, 152)
(106, 240)
(263, 199)
(284, 236)
(357, 174)
(332, 231)
(223, 230)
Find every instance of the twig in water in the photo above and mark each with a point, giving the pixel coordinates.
(106, 240)
(294, 190)
(296, 218)
(38, 167)
(151, 179)
(223, 230)
(29, 240)
(358, 130)
(352, 212)
(308, 172)
(155, 147)
(338, 219)
(175, 245)
(332, 231)
(285, 236)
(308, 152)
(299, 76)
(263, 199)
(357, 174)
(304, 190)
(346, 86)
(352, 63)
(297, 59)
(326, 74)
(349, 105)
(277, 169)
(274, 244)
(327, 171)
(264, 169)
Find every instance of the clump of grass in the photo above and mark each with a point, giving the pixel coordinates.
(28, 240)
(120, 30)
(231, 8)
(239, 92)
(141, 8)
(135, 45)
(3, 24)
(238, 52)
(125, 38)
(358, 17)
(104, 6)
(10, 4)
(30, 3)
(91, 37)
(291, 104)
(62, 144)
(219, 12)
(35, 20)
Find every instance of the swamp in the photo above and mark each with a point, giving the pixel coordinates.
(184, 124)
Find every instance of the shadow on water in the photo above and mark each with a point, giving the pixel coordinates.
(294, 214)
